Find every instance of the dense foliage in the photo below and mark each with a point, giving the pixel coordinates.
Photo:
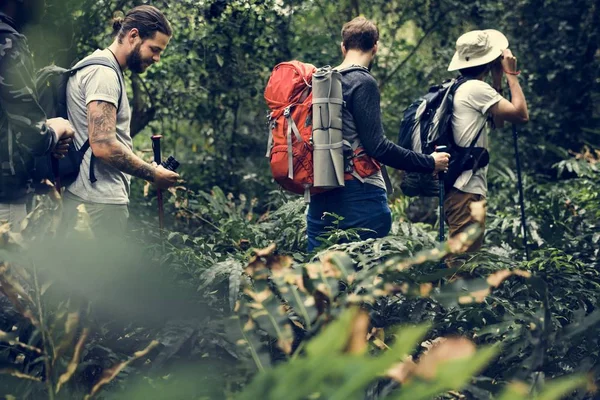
(227, 303)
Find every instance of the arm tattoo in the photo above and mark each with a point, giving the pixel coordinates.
(102, 122)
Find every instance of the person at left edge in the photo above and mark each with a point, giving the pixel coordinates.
(25, 132)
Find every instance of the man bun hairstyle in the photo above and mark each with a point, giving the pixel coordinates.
(146, 19)
(117, 22)
(360, 34)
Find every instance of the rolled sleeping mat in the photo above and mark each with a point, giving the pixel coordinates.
(328, 154)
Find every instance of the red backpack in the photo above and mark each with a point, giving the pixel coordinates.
(289, 97)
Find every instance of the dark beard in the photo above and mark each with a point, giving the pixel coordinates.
(134, 60)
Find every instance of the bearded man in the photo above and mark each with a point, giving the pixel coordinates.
(99, 110)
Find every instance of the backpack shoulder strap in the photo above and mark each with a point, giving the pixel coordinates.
(477, 136)
(7, 28)
(353, 67)
(458, 83)
(102, 62)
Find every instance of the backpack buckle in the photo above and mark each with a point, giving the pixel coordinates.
(286, 112)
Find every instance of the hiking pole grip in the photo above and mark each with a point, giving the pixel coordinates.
(158, 160)
(156, 148)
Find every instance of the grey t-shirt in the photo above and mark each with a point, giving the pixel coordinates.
(99, 83)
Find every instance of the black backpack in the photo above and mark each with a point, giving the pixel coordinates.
(51, 84)
(426, 124)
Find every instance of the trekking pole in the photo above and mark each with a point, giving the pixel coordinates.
(55, 171)
(521, 196)
(441, 197)
(158, 161)
(541, 347)
(441, 201)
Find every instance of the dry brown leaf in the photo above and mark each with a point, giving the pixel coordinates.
(478, 210)
(380, 344)
(446, 350)
(249, 325)
(312, 270)
(456, 244)
(299, 282)
(285, 345)
(357, 343)
(377, 336)
(258, 297)
(111, 373)
(20, 375)
(425, 289)
(520, 272)
(9, 338)
(402, 372)
(146, 189)
(45, 287)
(329, 268)
(266, 251)
(498, 277)
(429, 344)
(64, 378)
(71, 324)
(83, 223)
(279, 264)
(16, 294)
(477, 296)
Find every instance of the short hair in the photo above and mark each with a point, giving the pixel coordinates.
(146, 19)
(474, 72)
(360, 34)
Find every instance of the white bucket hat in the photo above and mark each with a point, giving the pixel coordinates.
(478, 48)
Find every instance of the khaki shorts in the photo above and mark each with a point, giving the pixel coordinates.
(457, 211)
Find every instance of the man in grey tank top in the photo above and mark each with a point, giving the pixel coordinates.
(99, 109)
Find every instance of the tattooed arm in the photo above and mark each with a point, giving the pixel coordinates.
(102, 120)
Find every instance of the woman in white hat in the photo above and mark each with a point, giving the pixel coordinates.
(479, 53)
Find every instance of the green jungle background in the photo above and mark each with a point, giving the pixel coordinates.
(227, 303)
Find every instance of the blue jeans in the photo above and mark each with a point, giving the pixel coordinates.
(362, 205)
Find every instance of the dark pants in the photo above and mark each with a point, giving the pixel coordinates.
(105, 220)
(362, 205)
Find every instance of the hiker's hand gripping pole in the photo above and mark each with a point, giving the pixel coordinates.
(158, 161)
